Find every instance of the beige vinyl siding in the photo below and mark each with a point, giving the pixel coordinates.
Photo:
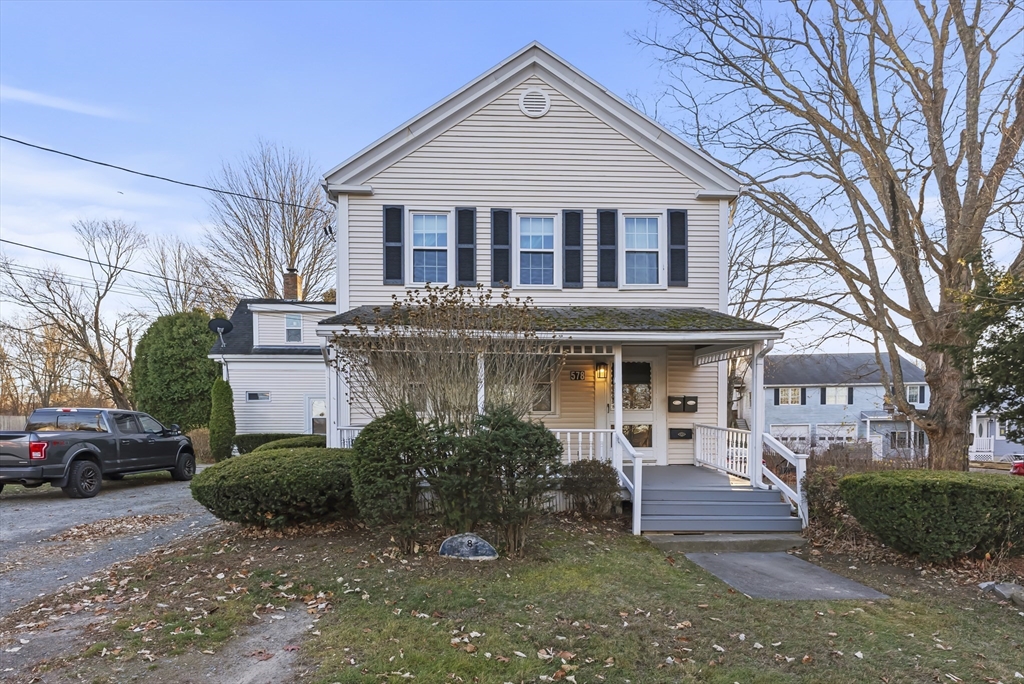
(289, 383)
(568, 159)
(574, 398)
(270, 328)
(686, 379)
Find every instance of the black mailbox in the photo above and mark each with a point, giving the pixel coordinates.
(682, 404)
(680, 433)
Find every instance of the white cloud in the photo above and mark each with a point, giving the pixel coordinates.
(39, 99)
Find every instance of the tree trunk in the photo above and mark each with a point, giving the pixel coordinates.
(948, 419)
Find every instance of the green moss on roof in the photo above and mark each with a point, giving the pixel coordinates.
(592, 318)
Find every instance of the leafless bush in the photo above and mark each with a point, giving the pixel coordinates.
(201, 445)
(428, 349)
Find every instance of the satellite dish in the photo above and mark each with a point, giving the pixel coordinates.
(220, 326)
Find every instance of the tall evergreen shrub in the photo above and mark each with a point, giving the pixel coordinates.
(222, 420)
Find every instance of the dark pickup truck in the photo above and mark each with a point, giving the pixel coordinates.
(75, 449)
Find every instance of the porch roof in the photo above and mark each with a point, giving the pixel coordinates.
(588, 319)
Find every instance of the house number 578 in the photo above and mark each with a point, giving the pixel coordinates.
(577, 375)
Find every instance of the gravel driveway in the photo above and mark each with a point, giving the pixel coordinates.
(32, 564)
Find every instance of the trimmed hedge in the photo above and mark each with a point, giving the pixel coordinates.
(278, 488)
(939, 515)
(248, 443)
(593, 486)
(311, 441)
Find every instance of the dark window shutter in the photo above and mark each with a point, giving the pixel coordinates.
(776, 396)
(607, 227)
(823, 398)
(678, 249)
(572, 248)
(394, 232)
(501, 247)
(849, 395)
(803, 396)
(465, 240)
(920, 396)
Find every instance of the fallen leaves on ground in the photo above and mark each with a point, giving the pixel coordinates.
(114, 527)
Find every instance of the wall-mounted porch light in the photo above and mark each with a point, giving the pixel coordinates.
(601, 371)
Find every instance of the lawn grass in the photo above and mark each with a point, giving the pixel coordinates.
(590, 601)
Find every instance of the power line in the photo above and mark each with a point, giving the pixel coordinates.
(165, 179)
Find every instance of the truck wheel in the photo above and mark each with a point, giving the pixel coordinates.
(84, 481)
(185, 468)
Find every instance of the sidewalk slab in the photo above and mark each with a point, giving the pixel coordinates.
(781, 576)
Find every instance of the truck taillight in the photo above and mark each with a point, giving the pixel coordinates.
(37, 450)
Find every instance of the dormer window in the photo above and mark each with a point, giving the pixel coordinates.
(293, 327)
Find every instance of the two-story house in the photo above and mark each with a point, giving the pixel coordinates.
(815, 400)
(536, 178)
(273, 360)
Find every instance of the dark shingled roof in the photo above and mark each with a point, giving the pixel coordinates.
(819, 370)
(239, 340)
(594, 318)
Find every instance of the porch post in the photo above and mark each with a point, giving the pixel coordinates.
(757, 414)
(480, 394)
(617, 376)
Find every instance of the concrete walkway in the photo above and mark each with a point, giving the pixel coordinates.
(780, 576)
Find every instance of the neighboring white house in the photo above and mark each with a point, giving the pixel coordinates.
(535, 177)
(990, 441)
(273, 361)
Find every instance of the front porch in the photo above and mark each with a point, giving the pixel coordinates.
(644, 390)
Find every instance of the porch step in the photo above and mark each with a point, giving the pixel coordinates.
(719, 523)
(721, 543)
(712, 494)
(725, 508)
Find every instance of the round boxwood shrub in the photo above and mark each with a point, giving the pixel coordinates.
(278, 488)
(249, 442)
(312, 441)
(939, 515)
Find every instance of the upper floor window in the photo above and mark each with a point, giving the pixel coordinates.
(642, 250)
(789, 395)
(293, 327)
(537, 242)
(430, 248)
(835, 395)
(915, 394)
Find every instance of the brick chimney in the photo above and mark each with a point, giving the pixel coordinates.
(292, 284)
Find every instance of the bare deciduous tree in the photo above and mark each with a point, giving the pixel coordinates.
(78, 312)
(187, 280)
(43, 369)
(252, 243)
(886, 136)
(426, 349)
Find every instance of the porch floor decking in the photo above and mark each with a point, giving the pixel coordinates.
(676, 477)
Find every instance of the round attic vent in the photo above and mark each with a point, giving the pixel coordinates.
(534, 103)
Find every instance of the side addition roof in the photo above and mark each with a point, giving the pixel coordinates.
(817, 370)
(240, 340)
(533, 60)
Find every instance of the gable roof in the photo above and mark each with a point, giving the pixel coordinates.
(533, 60)
(240, 340)
(819, 370)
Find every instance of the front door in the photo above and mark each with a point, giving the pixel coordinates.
(644, 402)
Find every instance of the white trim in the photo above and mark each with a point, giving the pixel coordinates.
(556, 252)
(711, 195)
(255, 327)
(342, 266)
(535, 60)
(310, 398)
(288, 342)
(724, 223)
(450, 248)
(293, 307)
(662, 250)
(286, 358)
(344, 190)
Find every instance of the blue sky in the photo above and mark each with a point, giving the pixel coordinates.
(176, 88)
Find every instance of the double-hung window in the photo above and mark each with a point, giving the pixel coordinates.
(789, 396)
(836, 395)
(293, 327)
(537, 242)
(642, 255)
(430, 248)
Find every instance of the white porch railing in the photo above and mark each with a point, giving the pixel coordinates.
(725, 449)
(347, 435)
(983, 449)
(584, 445)
(622, 451)
(799, 462)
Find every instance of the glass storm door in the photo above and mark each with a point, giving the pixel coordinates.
(317, 416)
(643, 419)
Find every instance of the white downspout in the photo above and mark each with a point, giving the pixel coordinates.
(757, 409)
